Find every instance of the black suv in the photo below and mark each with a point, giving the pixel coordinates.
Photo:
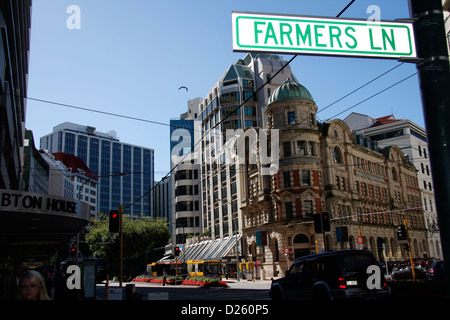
(331, 275)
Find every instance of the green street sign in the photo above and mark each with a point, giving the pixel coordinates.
(255, 32)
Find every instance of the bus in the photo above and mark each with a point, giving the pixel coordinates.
(205, 268)
(158, 269)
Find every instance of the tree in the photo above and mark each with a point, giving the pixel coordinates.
(139, 236)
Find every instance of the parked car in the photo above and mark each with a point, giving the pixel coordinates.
(405, 273)
(437, 271)
(331, 275)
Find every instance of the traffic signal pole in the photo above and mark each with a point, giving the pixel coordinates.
(434, 79)
(121, 245)
(410, 250)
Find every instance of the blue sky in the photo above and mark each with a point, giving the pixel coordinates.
(130, 58)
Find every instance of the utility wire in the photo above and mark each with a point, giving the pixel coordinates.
(359, 88)
(165, 124)
(103, 112)
(372, 96)
(237, 108)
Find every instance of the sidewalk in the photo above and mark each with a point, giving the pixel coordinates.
(232, 284)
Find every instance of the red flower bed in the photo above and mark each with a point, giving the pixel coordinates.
(190, 282)
(186, 282)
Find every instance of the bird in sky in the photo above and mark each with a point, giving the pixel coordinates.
(183, 87)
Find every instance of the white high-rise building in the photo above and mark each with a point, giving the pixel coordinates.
(231, 103)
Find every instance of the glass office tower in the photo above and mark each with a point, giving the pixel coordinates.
(125, 171)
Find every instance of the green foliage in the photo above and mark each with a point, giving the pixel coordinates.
(139, 236)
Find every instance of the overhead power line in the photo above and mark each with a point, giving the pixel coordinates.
(372, 96)
(101, 112)
(237, 108)
(169, 125)
(360, 87)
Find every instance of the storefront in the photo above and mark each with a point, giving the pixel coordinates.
(34, 227)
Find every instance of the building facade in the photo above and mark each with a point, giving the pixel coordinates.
(125, 172)
(368, 191)
(185, 196)
(234, 103)
(15, 23)
(412, 140)
(35, 170)
(162, 199)
(446, 13)
(85, 183)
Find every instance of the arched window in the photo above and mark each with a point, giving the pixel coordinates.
(337, 155)
(394, 174)
(276, 250)
(301, 238)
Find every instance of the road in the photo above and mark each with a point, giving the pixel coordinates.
(236, 290)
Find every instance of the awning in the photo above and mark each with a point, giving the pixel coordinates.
(210, 249)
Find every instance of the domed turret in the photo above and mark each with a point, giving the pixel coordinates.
(288, 90)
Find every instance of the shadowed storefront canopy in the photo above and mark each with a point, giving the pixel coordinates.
(35, 225)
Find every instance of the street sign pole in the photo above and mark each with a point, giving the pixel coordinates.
(434, 78)
(286, 253)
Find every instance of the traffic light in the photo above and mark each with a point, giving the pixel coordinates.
(176, 251)
(405, 247)
(73, 251)
(322, 222)
(114, 221)
(326, 227)
(317, 223)
(401, 232)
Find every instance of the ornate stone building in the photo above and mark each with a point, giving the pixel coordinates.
(326, 167)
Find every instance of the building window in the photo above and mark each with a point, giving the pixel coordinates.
(287, 179)
(306, 178)
(287, 149)
(277, 251)
(394, 174)
(250, 111)
(291, 117)
(311, 148)
(301, 148)
(308, 206)
(337, 155)
(289, 211)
